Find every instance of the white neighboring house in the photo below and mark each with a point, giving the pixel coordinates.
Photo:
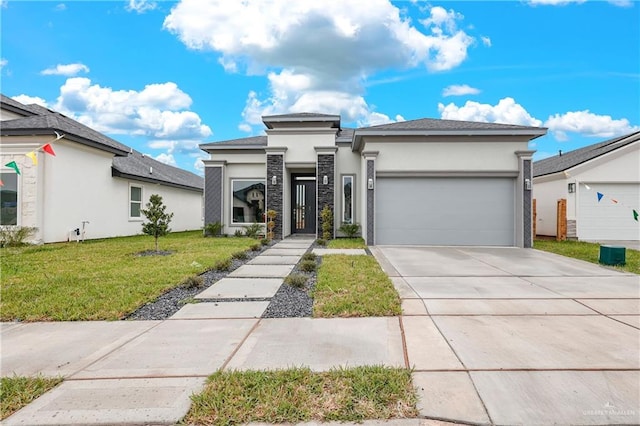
(92, 179)
(427, 181)
(611, 168)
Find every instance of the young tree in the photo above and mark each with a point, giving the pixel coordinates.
(158, 225)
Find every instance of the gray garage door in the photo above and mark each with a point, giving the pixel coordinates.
(445, 211)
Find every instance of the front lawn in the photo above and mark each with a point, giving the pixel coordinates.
(353, 286)
(16, 392)
(300, 395)
(589, 252)
(102, 279)
(347, 243)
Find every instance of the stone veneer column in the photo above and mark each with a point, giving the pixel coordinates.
(326, 166)
(214, 192)
(275, 188)
(370, 169)
(525, 180)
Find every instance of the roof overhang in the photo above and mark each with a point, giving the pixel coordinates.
(117, 173)
(67, 136)
(270, 120)
(360, 133)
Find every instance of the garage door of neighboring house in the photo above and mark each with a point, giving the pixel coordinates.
(607, 220)
(445, 211)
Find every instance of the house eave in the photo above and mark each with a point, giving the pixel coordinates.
(117, 173)
(67, 136)
(212, 147)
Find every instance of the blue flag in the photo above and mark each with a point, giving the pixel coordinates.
(600, 196)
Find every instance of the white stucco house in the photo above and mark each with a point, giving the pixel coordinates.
(92, 179)
(610, 168)
(427, 181)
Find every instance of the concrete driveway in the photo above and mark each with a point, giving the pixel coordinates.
(516, 336)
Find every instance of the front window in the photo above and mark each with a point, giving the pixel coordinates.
(135, 201)
(9, 199)
(347, 199)
(248, 200)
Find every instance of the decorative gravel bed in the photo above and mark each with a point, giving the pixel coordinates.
(286, 303)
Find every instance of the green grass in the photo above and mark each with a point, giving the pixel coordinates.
(347, 243)
(299, 395)
(16, 392)
(102, 279)
(589, 252)
(353, 286)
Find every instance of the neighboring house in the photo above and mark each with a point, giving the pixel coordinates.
(92, 179)
(610, 168)
(435, 182)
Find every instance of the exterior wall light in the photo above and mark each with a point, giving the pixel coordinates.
(369, 183)
(571, 188)
(325, 180)
(527, 184)
(274, 180)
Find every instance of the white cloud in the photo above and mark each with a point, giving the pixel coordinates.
(157, 111)
(166, 159)
(60, 7)
(486, 41)
(621, 3)
(587, 124)
(506, 111)
(3, 63)
(318, 56)
(554, 2)
(459, 90)
(28, 100)
(66, 69)
(140, 6)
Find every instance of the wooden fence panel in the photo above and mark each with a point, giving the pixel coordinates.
(561, 227)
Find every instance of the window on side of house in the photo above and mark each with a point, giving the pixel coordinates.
(347, 199)
(135, 201)
(9, 199)
(248, 200)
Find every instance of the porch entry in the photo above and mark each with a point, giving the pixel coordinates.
(303, 200)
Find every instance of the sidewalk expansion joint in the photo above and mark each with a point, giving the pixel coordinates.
(405, 353)
(142, 377)
(235, 351)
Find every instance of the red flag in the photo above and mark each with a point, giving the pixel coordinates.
(2, 184)
(615, 201)
(48, 149)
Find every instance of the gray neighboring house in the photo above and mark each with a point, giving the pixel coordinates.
(426, 182)
(611, 168)
(92, 179)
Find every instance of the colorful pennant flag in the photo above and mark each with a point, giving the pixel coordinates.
(13, 165)
(33, 156)
(615, 201)
(635, 215)
(1, 182)
(600, 195)
(48, 149)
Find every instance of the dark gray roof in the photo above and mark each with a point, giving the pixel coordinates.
(46, 124)
(142, 167)
(250, 142)
(571, 159)
(15, 106)
(309, 117)
(345, 135)
(438, 124)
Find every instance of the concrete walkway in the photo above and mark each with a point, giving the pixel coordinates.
(502, 336)
(510, 336)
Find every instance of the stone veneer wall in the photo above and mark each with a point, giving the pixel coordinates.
(370, 203)
(213, 195)
(527, 204)
(275, 193)
(326, 167)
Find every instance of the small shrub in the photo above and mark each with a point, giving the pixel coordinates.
(327, 223)
(351, 230)
(309, 256)
(256, 247)
(321, 242)
(254, 230)
(15, 236)
(240, 255)
(195, 281)
(158, 219)
(213, 229)
(271, 224)
(223, 265)
(238, 233)
(308, 265)
(296, 280)
(264, 241)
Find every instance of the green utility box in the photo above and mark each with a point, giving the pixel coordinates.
(612, 255)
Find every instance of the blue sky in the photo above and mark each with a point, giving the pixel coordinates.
(165, 76)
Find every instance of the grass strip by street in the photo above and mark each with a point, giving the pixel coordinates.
(589, 252)
(102, 279)
(353, 286)
(346, 243)
(16, 392)
(300, 395)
